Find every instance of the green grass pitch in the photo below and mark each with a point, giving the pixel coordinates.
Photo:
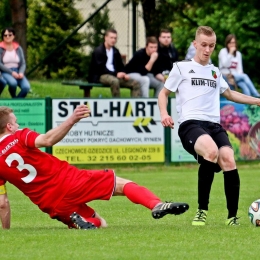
(132, 232)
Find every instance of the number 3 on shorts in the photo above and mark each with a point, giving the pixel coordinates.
(21, 166)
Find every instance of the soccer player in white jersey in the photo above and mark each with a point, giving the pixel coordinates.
(198, 85)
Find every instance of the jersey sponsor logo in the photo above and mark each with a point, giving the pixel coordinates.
(9, 146)
(214, 74)
(191, 71)
(203, 82)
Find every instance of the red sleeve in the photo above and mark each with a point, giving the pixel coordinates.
(28, 136)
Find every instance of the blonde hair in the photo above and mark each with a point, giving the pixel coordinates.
(4, 117)
(206, 30)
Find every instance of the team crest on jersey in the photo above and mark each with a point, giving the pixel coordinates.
(214, 74)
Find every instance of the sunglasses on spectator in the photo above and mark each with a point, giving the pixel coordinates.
(8, 35)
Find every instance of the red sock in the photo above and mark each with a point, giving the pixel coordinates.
(140, 195)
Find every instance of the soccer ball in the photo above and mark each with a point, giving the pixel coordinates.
(254, 213)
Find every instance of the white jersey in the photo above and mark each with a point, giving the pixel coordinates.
(197, 90)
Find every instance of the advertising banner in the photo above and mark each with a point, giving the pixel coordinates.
(29, 113)
(178, 153)
(118, 131)
(242, 123)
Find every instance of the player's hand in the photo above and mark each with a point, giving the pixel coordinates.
(167, 121)
(81, 111)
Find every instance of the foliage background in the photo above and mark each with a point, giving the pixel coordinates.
(225, 17)
(50, 22)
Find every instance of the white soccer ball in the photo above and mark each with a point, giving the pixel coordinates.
(254, 213)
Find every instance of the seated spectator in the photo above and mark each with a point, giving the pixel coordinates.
(168, 54)
(145, 63)
(107, 67)
(230, 62)
(190, 52)
(12, 64)
(2, 84)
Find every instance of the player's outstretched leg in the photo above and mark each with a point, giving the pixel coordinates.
(141, 195)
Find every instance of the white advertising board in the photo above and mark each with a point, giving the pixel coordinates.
(118, 131)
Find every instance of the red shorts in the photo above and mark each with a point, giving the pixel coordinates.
(88, 186)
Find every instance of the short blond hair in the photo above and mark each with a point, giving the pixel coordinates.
(4, 117)
(206, 30)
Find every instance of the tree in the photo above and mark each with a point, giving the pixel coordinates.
(156, 14)
(5, 14)
(224, 19)
(18, 12)
(95, 32)
(49, 23)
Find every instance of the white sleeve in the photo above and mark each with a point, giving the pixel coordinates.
(174, 79)
(223, 85)
(240, 64)
(224, 59)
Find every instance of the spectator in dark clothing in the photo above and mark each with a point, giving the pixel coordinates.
(107, 67)
(145, 62)
(168, 54)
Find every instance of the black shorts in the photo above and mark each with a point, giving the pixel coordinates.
(190, 130)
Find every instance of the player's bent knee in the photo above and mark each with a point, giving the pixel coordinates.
(120, 183)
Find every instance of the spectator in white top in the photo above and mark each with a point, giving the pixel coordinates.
(190, 52)
(230, 62)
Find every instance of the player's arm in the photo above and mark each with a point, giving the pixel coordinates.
(171, 85)
(238, 97)
(166, 120)
(56, 134)
(5, 210)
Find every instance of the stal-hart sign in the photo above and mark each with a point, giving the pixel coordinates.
(117, 131)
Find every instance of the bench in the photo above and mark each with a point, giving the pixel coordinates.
(86, 86)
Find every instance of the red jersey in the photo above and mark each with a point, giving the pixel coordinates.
(42, 177)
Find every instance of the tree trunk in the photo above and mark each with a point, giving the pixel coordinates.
(149, 17)
(18, 9)
(156, 15)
